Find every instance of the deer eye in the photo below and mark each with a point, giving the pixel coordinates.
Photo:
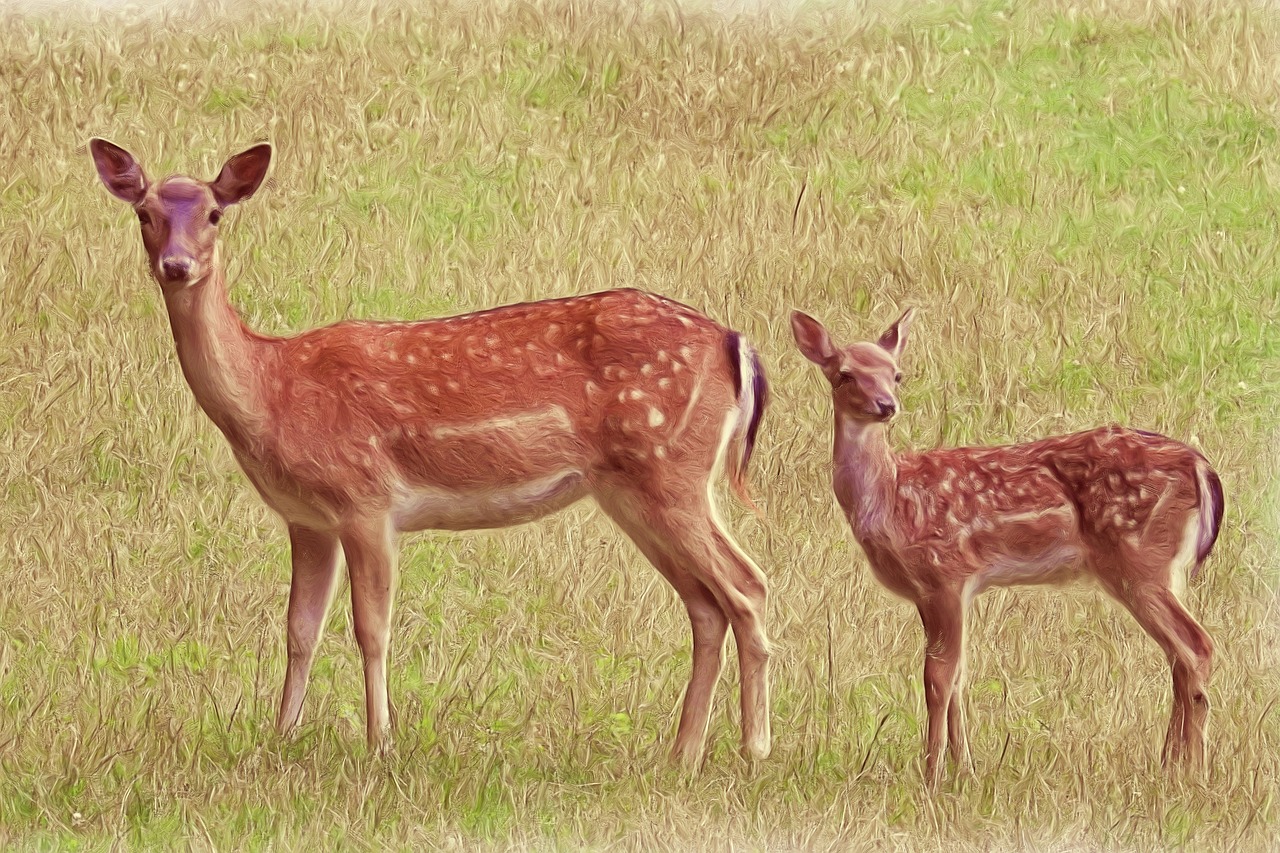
(144, 217)
(897, 377)
(215, 216)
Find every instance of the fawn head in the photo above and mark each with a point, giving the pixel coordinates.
(179, 215)
(864, 377)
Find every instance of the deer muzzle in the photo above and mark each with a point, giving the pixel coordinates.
(177, 269)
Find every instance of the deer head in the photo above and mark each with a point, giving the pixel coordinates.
(864, 377)
(179, 215)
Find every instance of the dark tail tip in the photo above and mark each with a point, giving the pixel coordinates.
(732, 344)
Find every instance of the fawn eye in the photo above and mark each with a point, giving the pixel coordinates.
(215, 216)
(144, 217)
(897, 377)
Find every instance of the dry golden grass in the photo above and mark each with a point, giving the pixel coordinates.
(1080, 199)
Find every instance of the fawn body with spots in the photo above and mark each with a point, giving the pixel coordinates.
(358, 431)
(1136, 511)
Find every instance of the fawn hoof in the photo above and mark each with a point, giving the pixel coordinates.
(933, 778)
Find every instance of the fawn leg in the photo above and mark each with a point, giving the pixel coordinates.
(943, 618)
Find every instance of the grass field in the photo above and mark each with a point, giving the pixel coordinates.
(1081, 200)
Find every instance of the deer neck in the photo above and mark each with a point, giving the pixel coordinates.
(865, 474)
(222, 359)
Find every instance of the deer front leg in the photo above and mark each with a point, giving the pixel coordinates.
(956, 735)
(371, 562)
(943, 619)
(955, 728)
(315, 570)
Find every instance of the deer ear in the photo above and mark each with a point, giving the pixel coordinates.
(895, 339)
(242, 175)
(812, 339)
(118, 170)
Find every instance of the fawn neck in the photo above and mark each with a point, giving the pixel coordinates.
(221, 358)
(865, 473)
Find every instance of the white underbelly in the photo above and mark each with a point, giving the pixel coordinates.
(1055, 565)
(439, 508)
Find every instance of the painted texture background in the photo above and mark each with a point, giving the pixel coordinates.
(1079, 199)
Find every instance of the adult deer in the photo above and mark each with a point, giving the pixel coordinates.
(358, 431)
(1135, 510)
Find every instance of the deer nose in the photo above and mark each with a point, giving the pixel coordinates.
(887, 408)
(175, 269)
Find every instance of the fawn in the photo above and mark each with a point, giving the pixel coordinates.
(1135, 510)
(355, 432)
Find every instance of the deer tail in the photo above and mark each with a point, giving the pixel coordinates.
(1209, 488)
(751, 389)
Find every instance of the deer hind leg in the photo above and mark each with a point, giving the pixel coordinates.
(745, 601)
(1190, 654)
(942, 615)
(1191, 680)
(371, 562)
(709, 625)
(315, 572)
(693, 543)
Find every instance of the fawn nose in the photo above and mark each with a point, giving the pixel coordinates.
(175, 269)
(887, 408)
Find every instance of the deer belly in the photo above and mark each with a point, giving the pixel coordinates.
(1028, 548)
(1054, 565)
(435, 507)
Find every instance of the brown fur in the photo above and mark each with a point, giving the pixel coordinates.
(357, 431)
(939, 527)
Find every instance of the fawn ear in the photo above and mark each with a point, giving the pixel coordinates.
(118, 170)
(895, 339)
(242, 175)
(812, 339)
